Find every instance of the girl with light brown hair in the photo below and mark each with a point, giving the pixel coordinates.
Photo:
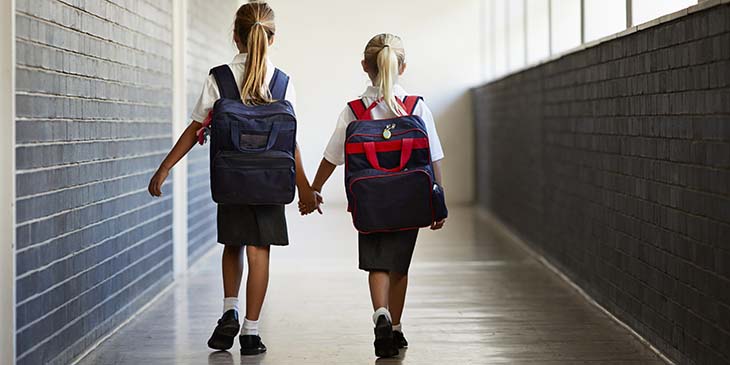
(249, 228)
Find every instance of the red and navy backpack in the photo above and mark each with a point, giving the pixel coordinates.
(388, 171)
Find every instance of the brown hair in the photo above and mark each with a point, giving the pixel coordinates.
(254, 27)
(385, 53)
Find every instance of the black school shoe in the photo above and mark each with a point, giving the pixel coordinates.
(400, 340)
(384, 344)
(251, 345)
(225, 332)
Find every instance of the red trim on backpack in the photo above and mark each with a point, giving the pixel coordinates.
(362, 113)
(410, 102)
(385, 146)
(405, 155)
(358, 108)
(201, 132)
(354, 208)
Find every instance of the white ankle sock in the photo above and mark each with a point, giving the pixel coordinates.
(398, 327)
(250, 327)
(379, 312)
(230, 303)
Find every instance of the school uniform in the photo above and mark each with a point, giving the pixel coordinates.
(255, 225)
(389, 251)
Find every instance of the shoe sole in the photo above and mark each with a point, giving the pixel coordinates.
(252, 352)
(384, 346)
(230, 332)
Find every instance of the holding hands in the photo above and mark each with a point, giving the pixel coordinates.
(309, 201)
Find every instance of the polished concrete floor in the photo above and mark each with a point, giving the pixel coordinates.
(475, 297)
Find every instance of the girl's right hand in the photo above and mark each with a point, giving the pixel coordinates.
(438, 225)
(155, 187)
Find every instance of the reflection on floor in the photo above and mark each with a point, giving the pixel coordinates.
(476, 297)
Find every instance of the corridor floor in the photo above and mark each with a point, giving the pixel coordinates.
(475, 297)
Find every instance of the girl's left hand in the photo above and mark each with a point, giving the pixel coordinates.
(438, 225)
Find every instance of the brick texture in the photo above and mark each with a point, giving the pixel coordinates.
(94, 105)
(614, 162)
(209, 22)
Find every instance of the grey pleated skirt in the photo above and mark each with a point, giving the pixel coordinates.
(389, 251)
(252, 225)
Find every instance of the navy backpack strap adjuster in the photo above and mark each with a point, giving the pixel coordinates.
(410, 103)
(226, 82)
(278, 85)
(359, 109)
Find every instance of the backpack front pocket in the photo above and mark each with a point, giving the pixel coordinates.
(391, 202)
(256, 179)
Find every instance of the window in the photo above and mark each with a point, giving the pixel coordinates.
(487, 40)
(516, 34)
(646, 10)
(565, 21)
(538, 30)
(604, 17)
(500, 38)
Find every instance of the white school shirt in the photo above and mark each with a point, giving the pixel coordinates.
(210, 92)
(335, 151)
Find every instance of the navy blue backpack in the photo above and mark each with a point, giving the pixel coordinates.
(252, 147)
(388, 171)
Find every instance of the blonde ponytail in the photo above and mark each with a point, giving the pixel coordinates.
(385, 54)
(255, 25)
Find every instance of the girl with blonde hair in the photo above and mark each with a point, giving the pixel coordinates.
(250, 228)
(386, 256)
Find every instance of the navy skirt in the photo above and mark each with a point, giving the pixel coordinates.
(253, 225)
(389, 251)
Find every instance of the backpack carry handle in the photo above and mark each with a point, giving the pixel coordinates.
(273, 135)
(371, 149)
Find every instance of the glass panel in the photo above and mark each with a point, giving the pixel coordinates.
(538, 30)
(646, 10)
(516, 34)
(604, 17)
(487, 39)
(500, 37)
(565, 25)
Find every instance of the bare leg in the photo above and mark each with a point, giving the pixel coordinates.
(384, 344)
(258, 280)
(232, 264)
(379, 283)
(397, 295)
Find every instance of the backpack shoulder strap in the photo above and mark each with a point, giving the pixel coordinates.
(226, 82)
(278, 85)
(360, 110)
(410, 103)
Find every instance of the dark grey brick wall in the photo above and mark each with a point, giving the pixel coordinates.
(209, 43)
(93, 104)
(614, 162)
